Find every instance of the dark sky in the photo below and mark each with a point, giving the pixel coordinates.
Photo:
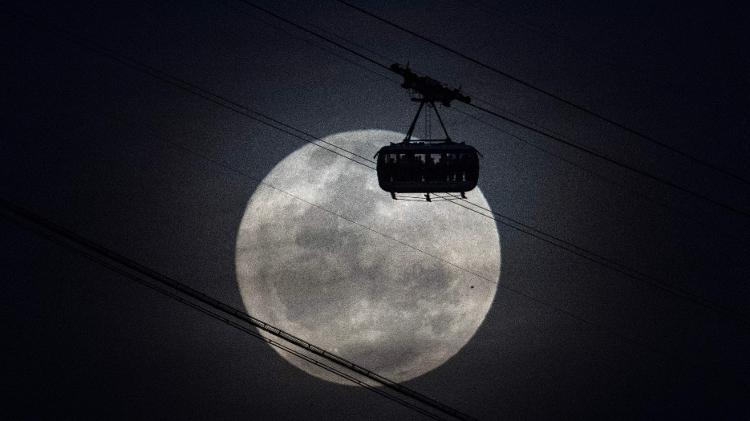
(120, 158)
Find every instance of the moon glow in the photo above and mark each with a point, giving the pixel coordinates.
(376, 281)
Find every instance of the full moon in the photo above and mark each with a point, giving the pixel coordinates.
(325, 254)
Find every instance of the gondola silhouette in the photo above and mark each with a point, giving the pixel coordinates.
(427, 165)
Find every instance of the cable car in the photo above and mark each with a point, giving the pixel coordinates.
(421, 167)
(429, 165)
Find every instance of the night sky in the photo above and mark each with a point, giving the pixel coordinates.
(163, 177)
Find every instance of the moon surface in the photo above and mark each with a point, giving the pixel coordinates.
(325, 254)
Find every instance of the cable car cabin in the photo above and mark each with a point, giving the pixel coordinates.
(428, 165)
(419, 167)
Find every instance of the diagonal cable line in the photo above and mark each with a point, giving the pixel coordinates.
(178, 286)
(313, 33)
(613, 161)
(544, 133)
(597, 258)
(608, 180)
(292, 131)
(495, 127)
(305, 40)
(604, 261)
(631, 339)
(548, 93)
(575, 46)
(227, 319)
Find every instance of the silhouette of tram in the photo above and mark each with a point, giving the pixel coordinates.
(427, 165)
